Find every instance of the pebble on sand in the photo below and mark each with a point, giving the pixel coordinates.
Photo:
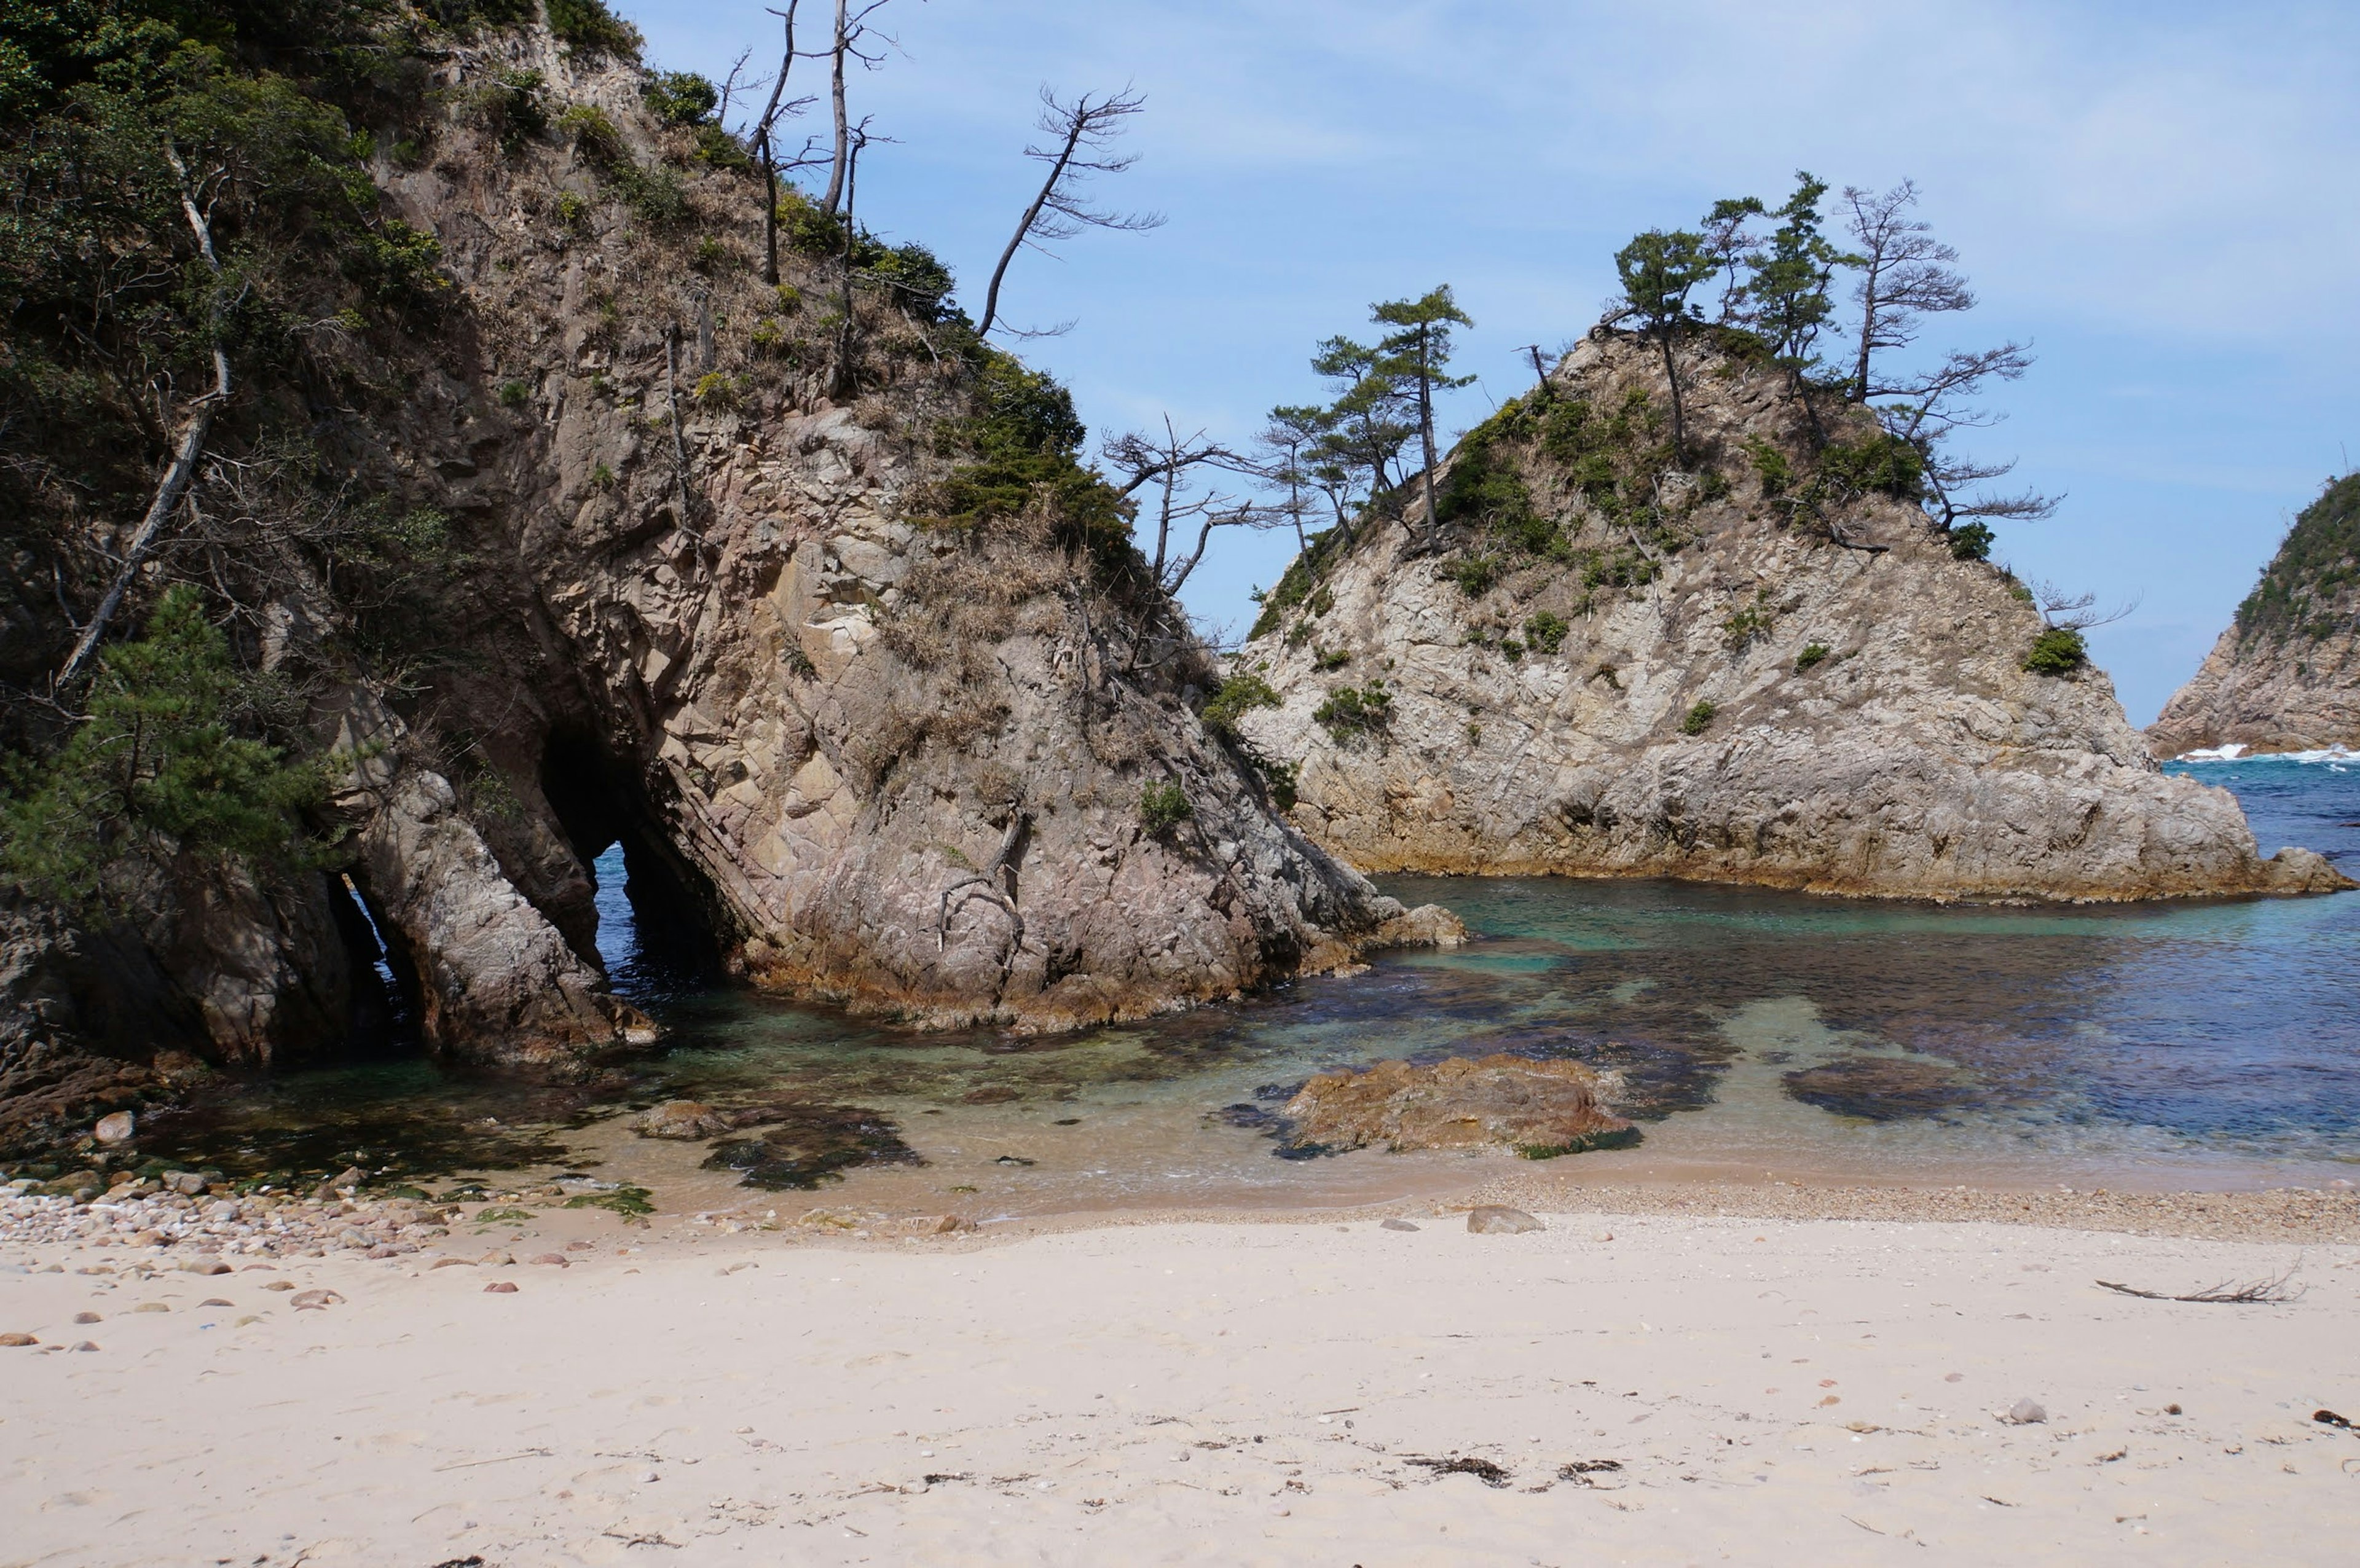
(315, 1300)
(116, 1128)
(18, 1339)
(500, 1288)
(1494, 1219)
(557, 1257)
(88, 1317)
(2026, 1412)
(1396, 1224)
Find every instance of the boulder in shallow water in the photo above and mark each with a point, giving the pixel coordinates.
(1537, 1108)
(681, 1119)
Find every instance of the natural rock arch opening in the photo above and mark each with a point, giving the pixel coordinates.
(655, 916)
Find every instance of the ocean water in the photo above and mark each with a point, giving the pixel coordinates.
(1751, 1034)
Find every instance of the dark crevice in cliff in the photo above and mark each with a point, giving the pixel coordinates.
(387, 1003)
(673, 914)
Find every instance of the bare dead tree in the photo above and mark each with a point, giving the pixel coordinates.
(1080, 137)
(1905, 275)
(766, 143)
(2077, 612)
(1927, 408)
(840, 376)
(197, 197)
(1168, 463)
(851, 27)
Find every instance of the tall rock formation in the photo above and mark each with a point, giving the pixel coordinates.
(1766, 669)
(794, 592)
(2286, 675)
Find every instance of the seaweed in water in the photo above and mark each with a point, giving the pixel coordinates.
(811, 1145)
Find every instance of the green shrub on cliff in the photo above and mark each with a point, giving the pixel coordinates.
(157, 772)
(2316, 563)
(1699, 719)
(2060, 650)
(1237, 696)
(1352, 711)
(1163, 806)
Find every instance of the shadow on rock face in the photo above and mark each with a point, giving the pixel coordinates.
(809, 1145)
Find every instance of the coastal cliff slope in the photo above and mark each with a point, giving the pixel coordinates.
(2285, 676)
(795, 592)
(1766, 670)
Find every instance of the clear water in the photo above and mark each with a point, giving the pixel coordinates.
(1754, 1033)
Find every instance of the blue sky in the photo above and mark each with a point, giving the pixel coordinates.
(2164, 197)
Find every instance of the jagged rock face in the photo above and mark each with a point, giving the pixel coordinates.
(898, 766)
(1871, 729)
(696, 610)
(2286, 675)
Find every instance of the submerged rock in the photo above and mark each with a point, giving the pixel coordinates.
(685, 1119)
(1538, 1108)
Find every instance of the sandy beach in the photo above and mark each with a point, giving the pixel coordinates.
(1662, 1387)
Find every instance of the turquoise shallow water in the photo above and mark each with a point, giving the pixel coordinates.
(1752, 1032)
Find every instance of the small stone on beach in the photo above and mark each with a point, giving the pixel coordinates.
(2025, 1413)
(1396, 1224)
(116, 1128)
(279, 1285)
(451, 1263)
(500, 1288)
(18, 1339)
(1496, 1219)
(87, 1317)
(557, 1257)
(316, 1301)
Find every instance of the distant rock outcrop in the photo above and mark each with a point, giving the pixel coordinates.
(2286, 675)
(1765, 669)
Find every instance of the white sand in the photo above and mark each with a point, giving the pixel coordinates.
(1198, 1393)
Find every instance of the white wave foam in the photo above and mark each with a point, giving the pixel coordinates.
(2237, 751)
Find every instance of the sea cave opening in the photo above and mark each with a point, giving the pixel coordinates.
(653, 917)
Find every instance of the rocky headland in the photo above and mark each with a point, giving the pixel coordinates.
(795, 592)
(2285, 676)
(1764, 668)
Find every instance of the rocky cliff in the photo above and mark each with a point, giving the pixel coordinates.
(2286, 674)
(1762, 667)
(793, 591)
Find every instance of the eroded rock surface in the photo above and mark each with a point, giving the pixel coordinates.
(1536, 1109)
(2286, 675)
(692, 595)
(1602, 669)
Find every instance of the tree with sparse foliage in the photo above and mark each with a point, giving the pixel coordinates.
(1659, 270)
(1786, 298)
(1904, 274)
(1080, 138)
(1414, 354)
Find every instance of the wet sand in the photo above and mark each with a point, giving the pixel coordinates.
(1649, 1377)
